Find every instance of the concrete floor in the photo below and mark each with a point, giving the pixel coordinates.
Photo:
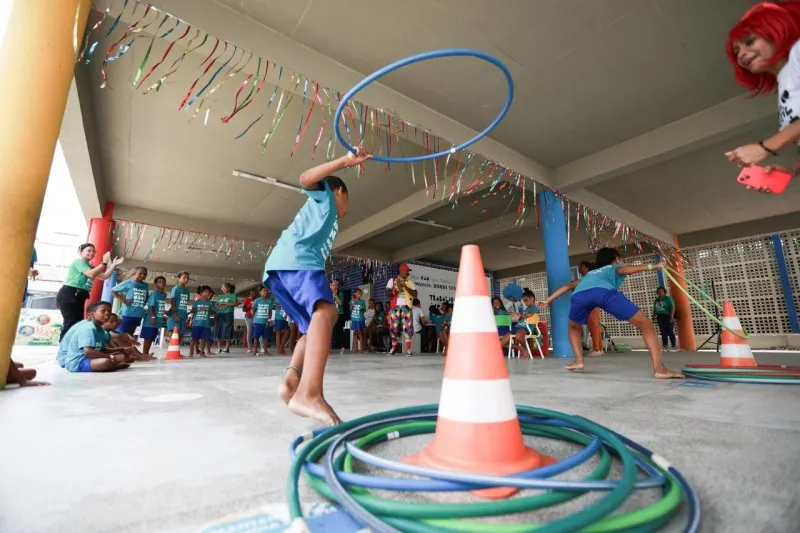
(178, 446)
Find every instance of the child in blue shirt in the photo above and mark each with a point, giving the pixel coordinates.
(133, 294)
(81, 349)
(281, 329)
(262, 309)
(600, 288)
(357, 326)
(156, 306)
(295, 273)
(202, 309)
(179, 304)
(520, 326)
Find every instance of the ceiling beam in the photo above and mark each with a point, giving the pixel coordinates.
(448, 241)
(688, 134)
(195, 270)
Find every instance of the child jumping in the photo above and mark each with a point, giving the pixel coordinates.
(295, 273)
(600, 288)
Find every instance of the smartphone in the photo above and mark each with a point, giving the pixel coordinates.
(775, 181)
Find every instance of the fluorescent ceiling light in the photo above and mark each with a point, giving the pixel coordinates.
(430, 223)
(267, 180)
(523, 248)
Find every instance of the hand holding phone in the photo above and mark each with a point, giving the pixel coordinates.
(764, 179)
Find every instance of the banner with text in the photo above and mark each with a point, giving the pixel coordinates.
(436, 285)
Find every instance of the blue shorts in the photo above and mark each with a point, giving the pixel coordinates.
(148, 333)
(261, 331)
(281, 325)
(85, 365)
(357, 325)
(298, 292)
(614, 303)
(129, 324)
(502, 331)
(201, 332)
(171, 324)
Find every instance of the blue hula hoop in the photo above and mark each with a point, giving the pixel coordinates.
(433, 54)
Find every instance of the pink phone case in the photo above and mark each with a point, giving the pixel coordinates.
(754, 176)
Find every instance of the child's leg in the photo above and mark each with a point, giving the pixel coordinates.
(265, 344)
(309, 400)
(671, 332)
(106, 365)
(576, 341)
(291, 377)
(651, 340)
(146, 346)
(595, 331)
(192, 346)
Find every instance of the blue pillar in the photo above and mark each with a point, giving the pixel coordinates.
(780, 259)
(556, 260)
(659, 273)
(107, 285)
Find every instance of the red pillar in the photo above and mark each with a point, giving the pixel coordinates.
(683, 310)
(100, 235)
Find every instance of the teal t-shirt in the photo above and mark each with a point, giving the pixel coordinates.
(603, 278)
(663, 306)
(79, 336)
(229, 299)
(137, 293)
(527, 310)
(158, 302)
(181, 297)
(279, 314)
(438, 322)
(307, 242)
(357, 308)
(339, 306)
(202, 313)
(261, 310)
(75, 275)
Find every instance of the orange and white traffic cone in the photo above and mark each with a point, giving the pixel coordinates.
(477, 429)
(174, 348)
(734, 351)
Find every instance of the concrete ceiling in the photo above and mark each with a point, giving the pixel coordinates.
(625, 105)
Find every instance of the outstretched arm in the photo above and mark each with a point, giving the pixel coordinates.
(562, 290)
(635, 269)
(311, 177)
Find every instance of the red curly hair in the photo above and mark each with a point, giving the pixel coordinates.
(778, 23)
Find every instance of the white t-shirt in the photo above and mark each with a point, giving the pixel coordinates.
(369, 314)
(403, 298)
(416, 314)
(789, 89)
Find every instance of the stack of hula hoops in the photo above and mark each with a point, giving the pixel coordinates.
(326, 460)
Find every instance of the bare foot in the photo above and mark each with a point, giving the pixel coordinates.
(316, 408)
(594, 353)
(289, 385)
(666, 373)
(574, 366)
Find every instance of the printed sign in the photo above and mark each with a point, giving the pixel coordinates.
(38, 327)
(436, 285)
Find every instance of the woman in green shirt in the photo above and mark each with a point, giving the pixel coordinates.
(226, 303)
(664, 314)
(71, 298)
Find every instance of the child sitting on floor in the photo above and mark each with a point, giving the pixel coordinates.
(81, 350)
(600, 288)
(122, 342)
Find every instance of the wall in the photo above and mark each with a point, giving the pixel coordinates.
(743, 271)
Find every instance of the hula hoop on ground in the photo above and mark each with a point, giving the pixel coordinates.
(433, 54)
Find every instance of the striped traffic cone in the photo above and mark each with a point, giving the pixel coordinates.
(734, 351)
(477, 429)
(174, 348)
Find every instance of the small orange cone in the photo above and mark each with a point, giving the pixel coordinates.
(174, 349)
(477, 429)
(734, 351)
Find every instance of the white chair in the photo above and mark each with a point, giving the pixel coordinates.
(532, 325)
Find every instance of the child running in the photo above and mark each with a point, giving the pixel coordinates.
(295, 273)
(202, 310)
(133, 294)
(357, 308)
(154, 321)
(81, 350)
(600, 288)
(262, 308)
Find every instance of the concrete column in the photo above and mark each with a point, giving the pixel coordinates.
(100, 234)
(556, 260)
(37, 62)
(683, 310)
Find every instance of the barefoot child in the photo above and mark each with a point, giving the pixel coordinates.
(179, 304)
(83, 345)
(154, 320)
(262, 308)
(357, 308)
(133, 294)
(295, 273)
(202, 310)
(600, 288)
(281, 330)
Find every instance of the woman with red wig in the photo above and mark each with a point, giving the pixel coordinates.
(764, 48)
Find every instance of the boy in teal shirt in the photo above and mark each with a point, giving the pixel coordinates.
(133, 293)
(295, 273)
(262, 309)
(202, 309)
(179, 304)
(156, 307)
(81, 350)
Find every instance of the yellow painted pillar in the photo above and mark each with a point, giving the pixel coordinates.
(37, 61)
(686, 339)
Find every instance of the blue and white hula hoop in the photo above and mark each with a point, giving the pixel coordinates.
(433, 54)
